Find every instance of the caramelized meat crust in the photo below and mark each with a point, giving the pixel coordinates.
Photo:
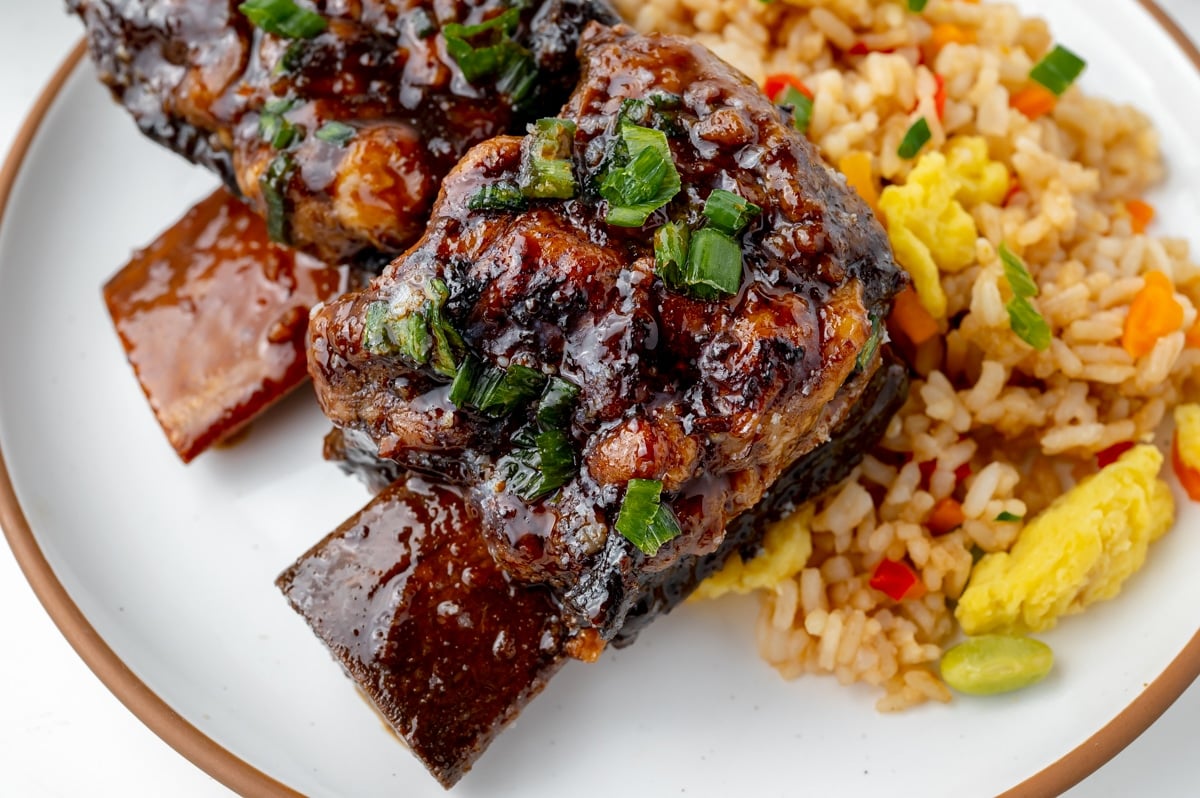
(713, 396)
(199, 78)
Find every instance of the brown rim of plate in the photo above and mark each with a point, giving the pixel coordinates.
(245, 779)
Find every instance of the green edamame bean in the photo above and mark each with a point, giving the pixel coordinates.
(991, 664)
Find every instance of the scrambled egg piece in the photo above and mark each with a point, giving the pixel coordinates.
(1080, 550)
(786, 549)
(1187, 429)
(927, 224)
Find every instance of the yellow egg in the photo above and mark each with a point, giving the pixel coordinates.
(787, 546)
(1079, 550)
(1187, 430)
(929, 229)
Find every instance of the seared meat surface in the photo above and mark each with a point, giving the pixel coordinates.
(376, 76)
(635, 378)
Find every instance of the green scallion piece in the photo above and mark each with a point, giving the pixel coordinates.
(494, 54)
(374, 332)
(469, 382)
(273, 183)
(1017, 274)
(557, 403)
(502, 196)
(917, 6)
(283, 18)
(916, 138)
(1058, 69)
(517, 385)
(539, 464)
(1007, 517)
(546, 171)
(670, 253)
(729, 212)
(1028, 324)
(802, 107)
(518, 77)
(335, 133)
(643, 519)
(274, 127)
(423, 335)
(445, 339)
(714, 264)
(644, 183)
(871, 346)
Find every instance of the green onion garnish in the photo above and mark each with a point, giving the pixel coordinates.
(1008, 517)
(714, 264)
(1058, 69)
(915, 139)
(1026, 322)
(274, 127)
(422, 24)
(646, 182)
(729, 212)
(283, 18)
(494, 391)
(802, 107)
(871, 346)
(643, 519)
(1017, 274)
(423, 336)
(917, 5)
(557, 404)
(519, 77)
(546, 171)
(335, 133)
(540, 463)
(670, 253)
(488, 49)
(273, 184)
(502, 196)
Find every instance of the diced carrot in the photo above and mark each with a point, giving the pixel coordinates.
(1153, 313)
(939, 97)
(1014, 188)
(912, 318)
(946, 33)
(1192, 337)
(1140, 215)
(946, 516)
(1034, 101)
(1188, 477)
(1107, 457)
(859, 48)
(774, 85)
(897, 580)
(856, 166)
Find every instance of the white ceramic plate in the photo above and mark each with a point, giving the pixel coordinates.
(173, 566)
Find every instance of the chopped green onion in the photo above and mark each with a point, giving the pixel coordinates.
(644, 183)
(445, 338)
(422, 24)
(546, 171)
(1028, 324)
(502, 196)
(729, 212)
(290, 59)
(470, 382)
(871, 345)
(279, 105)
(557, 403)
(274, 127)
(1015, 271)
(335, 133)
(714, 264)
(643, 519)
(491, 58)
(494, 391)
(917, 5)
(802, 107)
(915, 139)
(1058, 69)
(423, 336)
(283, 18)
(539, 464)
(273, 183)
(519, 77)
(374, 334)
(1008, 517)
(670, 253)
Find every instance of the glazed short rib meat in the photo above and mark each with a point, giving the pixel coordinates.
(335, 120)
(620, 330)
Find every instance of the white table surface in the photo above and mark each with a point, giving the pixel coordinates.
(63, 734)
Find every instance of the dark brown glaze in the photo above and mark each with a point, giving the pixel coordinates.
(196, 76)
(213, 316)
(714, 398)
(447, 647)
